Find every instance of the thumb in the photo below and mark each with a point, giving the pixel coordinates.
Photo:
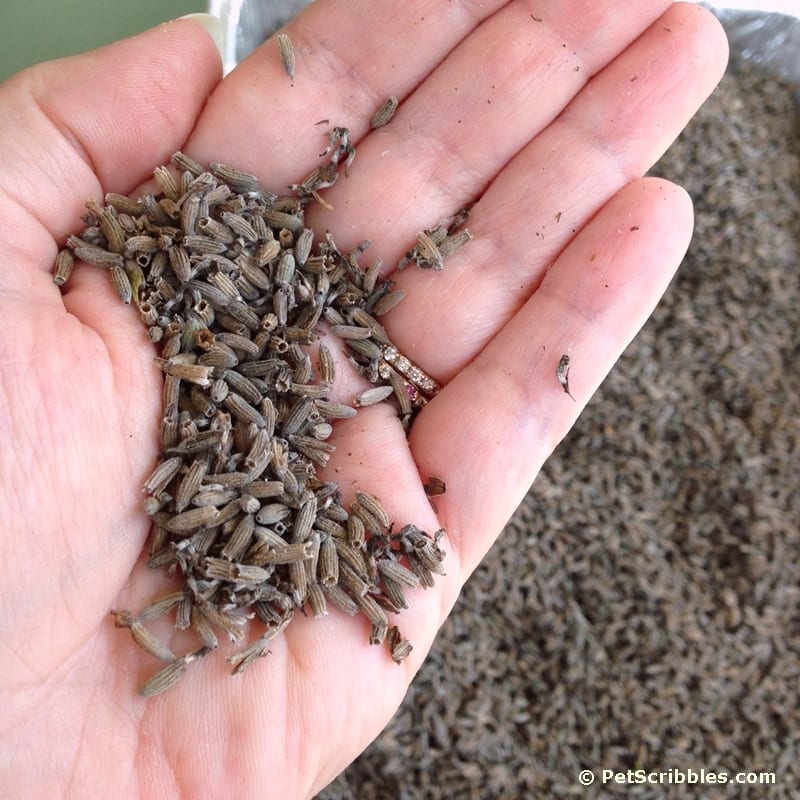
(99, 121)
(69, 130)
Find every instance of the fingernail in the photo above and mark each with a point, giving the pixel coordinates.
(215, 28)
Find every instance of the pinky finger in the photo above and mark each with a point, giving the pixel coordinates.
(493, 426)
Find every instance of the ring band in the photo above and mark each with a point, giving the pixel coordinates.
(421, 387)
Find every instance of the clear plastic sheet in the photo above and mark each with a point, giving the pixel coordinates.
(248, 23)
(766, 32)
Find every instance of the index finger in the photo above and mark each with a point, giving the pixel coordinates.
(504, 70)
(349, 56)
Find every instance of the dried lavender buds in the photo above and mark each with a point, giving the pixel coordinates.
(384, 114)
(286, 50)
(435, 244)
(231, 286)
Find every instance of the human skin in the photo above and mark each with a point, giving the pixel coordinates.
(545, 115)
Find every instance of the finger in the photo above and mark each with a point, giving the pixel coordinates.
(349, 57)
(98, 122)
(83, 404)
(498, 89)
(535, 66)
(614, 130)
(489, 431)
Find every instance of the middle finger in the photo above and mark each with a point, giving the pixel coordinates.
(492, 94)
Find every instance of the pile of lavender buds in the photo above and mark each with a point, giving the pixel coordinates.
(232, 288)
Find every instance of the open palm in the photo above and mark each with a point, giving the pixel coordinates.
(546, 114)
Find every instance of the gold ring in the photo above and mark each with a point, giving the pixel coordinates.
(420, 386)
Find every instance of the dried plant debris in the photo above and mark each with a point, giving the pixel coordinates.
(435, 486)
(382, 116)
(435, 244)
(286, 50)
(562, 374)
(339, 147)
(230, 284)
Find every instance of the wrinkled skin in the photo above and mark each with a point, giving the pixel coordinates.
(547, 114)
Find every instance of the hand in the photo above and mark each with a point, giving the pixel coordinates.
(546, 114)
